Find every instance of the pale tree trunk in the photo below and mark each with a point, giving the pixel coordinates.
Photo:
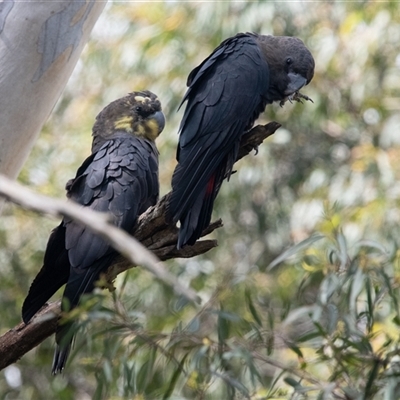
(40, 43)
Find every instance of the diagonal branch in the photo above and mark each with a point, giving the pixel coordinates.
(152, 231)
(129, 247)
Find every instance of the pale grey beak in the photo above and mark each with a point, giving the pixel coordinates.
(296, 83)
(159, 118)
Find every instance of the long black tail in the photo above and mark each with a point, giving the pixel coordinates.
(64, 339)
(51, 277)
(79, 283)
(198, 216)
(195, 184)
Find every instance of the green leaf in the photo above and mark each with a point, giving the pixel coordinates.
(370, 303)
(223, 327)
(374, 245)
(342, 251)
(333, 317)
(233, 383)
(146, 371)
(179, 370)
(396, 320)
(309, 336)
(369, 390)
(296, 350)
(357, 285)
(328, 286)
(251, 307)
(107, 370)
(193, 325)
(291, 251)
(292, 382)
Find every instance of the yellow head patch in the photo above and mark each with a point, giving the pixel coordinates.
(152, 130)
(124, 123)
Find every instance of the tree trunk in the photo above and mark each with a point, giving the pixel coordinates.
(40, 43)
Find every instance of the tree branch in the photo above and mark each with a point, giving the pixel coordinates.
(158, 240)
(129, 247)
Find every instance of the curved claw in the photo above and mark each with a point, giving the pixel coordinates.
(296, 96)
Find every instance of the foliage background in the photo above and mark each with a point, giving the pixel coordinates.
(321, 199)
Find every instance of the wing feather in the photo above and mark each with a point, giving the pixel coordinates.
(127, 165)
(49, 279)
(121, 178)
(226, 94)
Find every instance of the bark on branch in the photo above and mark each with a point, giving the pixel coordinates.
(152, 233)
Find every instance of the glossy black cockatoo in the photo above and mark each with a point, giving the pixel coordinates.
(226, 94)
(120, 178)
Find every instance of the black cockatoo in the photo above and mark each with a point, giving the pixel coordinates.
(120, 177)
(227, 92)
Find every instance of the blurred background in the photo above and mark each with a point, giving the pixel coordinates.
(301, 296)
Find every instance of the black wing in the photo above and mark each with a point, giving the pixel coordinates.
(226, 94)
(122, 179)
(52, 276)
(56, 266)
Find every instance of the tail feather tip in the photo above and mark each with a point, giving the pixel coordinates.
(60, 359)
